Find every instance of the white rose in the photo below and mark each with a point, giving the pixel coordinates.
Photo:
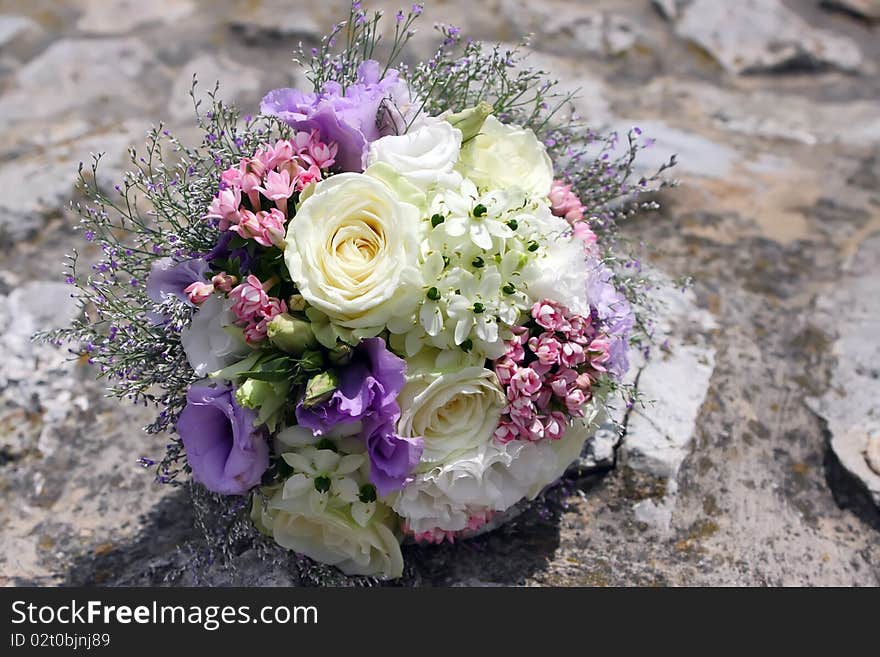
(334, 537)
(503, 156)
(490, 477)
(425, 156)
(452, 411)
(352, 250)
(211, 341)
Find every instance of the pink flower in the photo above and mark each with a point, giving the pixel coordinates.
(535, 429)
(256, 331)
(562, 381)
(249, 298)
(308, 176)
(506, 432)
(578, 327)
(565, 203)
(521, 333)
(584, 381)
(302, 139)
(198, 292)
(542, 399)
(521, 412)
(224, 207)
(322, 155)
(583, 232)
(574, 402)
(572, 354)
(278, 187)
(249, 226)
(272, 225)
(277, 155)
(550, 315)
(599, 351)
(515, 351)
(546, 347)
(223, 282)
(555, 425)
(231, 177)
(505, 368)
(265, 228)
(526, 382)
(273, 307)
(252, 171)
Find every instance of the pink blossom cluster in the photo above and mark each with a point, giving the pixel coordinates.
(436, 535)
(566, 204)
(547, 371)
(254, 308)
(276, 172)
(199, 291)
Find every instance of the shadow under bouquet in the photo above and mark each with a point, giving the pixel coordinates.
(391, 306)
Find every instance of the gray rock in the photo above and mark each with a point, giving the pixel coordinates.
(668, 8)
(78, 73)
(850, 404)
(239, 85)
(673, 382)
(14, 29)
(867, 10)
(697, 155)
(572, 30)
(121, 16)
(51, 181)
(758, 36)
(276, 19)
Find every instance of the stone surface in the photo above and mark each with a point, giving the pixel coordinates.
(673, 382)
(119, 16)
(850, 404)
(778, 207)
(868, 10)
(73, 73)
(238, 85)
(754, 36)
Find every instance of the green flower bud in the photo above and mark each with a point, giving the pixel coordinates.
(322, 484)
(434, 294)
(326, 443)
(513, 224)
(319, 388)
(479, 308)
(253, 393)
(467, 345)
(290, 334)
(480, 210)
(470, 121)
(509, 288)
(436, 220)
(311, 360)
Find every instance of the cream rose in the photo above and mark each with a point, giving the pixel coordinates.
(452, 411)
(352, 249)
(503, 156)
(334, 537)
(425, 156)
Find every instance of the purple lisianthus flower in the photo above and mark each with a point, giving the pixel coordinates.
(221, 251)
(367, 393)
(350, 118)
(170, 277)
(227, 454)
(614, 312)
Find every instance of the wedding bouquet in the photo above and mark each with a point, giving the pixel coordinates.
(388, 307)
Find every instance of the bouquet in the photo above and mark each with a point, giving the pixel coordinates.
(389, 307)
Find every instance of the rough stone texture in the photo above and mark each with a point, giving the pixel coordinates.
(850, 403)
(776, 219)
(753, 36)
